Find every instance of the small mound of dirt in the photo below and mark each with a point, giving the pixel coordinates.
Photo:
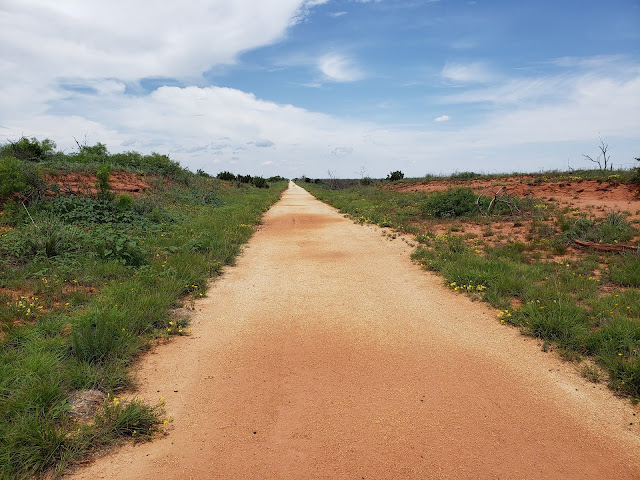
(85, 403)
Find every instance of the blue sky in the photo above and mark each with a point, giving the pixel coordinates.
(295, 87)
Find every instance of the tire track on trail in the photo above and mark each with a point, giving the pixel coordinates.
(325, 353)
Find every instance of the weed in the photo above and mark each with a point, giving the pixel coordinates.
(450, 204)
(591, 373)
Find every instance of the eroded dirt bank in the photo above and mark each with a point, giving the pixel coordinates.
(325, 353)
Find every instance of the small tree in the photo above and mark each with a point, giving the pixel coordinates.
(603, 159)
(333, 182)
(226, 176)
(30, 149)
(636, 175)
(103, 175)
(260, 182)
(395, 176)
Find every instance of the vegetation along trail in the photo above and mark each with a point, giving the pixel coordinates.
(325, 353)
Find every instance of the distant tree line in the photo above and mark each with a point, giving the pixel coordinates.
(256, 181)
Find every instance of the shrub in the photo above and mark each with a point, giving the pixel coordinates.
(395, 176)
(116, 244)
(226, 176)
(260, 182)
(102, 183)
(30, 149)
(124, 202)
(12, 179)
(450, 204)
(636, 173)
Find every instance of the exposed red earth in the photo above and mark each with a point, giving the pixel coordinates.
(584, 194)
(80, 183)
(326, 353)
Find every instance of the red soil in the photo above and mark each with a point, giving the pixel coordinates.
(84, 183)
(582, 194)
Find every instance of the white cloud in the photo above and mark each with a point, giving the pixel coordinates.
(215, 128)
(464, 73)
(442, 118)
(264, 143)
(338, 14)
(342, 152)
(73, 39)
(338, 68)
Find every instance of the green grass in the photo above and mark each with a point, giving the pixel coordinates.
(94, 283)
(564, 303)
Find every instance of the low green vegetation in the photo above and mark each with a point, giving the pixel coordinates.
(586, 305)
(88, 282)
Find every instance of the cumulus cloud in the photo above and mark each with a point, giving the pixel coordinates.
(264, 143)
(341, 152)
(339, 68)
(442, 118)
(74, 39)
(464, 73)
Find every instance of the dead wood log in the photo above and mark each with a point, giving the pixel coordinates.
(607, 247)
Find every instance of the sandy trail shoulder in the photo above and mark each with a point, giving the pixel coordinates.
(325, 353)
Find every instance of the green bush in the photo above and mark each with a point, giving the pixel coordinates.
(30, 149)
(450, 204)
(12, 178)
(103, 185)
(395, 176)
(260, 182)
(613, 228)
(636, 174)
(226, 176)
(116, 244)
(124, 202)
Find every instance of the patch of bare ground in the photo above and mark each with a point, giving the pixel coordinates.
(597, 196)
(81, 183)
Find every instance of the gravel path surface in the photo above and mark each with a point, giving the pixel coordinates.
(325, 353)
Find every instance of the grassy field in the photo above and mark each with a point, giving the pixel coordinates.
(585, 305)
(89, 282)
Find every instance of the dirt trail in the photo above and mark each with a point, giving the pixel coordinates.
(325, 353)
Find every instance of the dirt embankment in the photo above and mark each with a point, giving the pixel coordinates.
(599, 197)
(326, 353)
(80, 183)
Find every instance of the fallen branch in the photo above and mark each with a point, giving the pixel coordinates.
(501, 196)
(607, 247)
